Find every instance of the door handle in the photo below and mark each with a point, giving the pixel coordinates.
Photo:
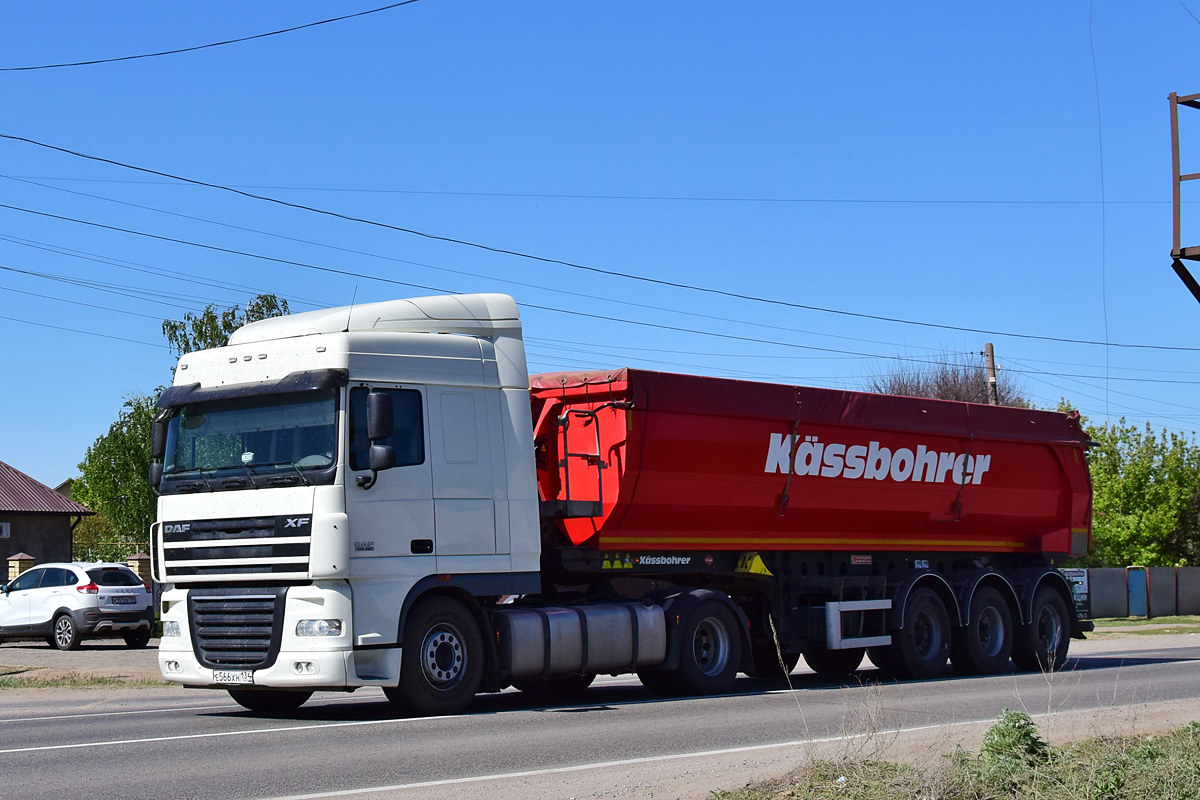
(421, 547)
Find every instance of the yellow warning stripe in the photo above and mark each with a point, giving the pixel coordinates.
(755, 542)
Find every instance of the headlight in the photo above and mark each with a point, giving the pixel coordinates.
(170, 628)
(319, 627)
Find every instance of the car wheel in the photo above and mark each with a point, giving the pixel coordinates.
(441, 661)
(137, 638)
(64, 633)
(271, 702)
(1042, 645)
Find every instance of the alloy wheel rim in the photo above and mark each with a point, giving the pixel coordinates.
(63, 632)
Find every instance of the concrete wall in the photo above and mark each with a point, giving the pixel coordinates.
(1110, 595)
(46, 537)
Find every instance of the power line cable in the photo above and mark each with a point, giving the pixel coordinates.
(78, 303)
(134, 266)
(86, 333)
(646, 197)
(508, 281)
(210, 44)
(583, 267)
(444, 290)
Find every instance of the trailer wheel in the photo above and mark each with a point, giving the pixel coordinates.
(270, 702)
(984, 645)
(1042, 645)
(555, 689)
(710, 650)
(766, 662)
(834, 663)
(441, 662)
(923, 644)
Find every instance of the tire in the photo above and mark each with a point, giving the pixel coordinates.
(922, 646)
(984, 645)
(884, 658)
(270, 702)
(64, 633)
(766, 663)
(1042, 645)
(834, 663)
(137, 638)
(710, 650)
(566, 688)
(441, 662)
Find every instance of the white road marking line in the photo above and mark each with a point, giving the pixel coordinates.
(618, 763)
(229, 705)
(218, 734)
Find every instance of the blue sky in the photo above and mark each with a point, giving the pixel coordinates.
(937, 162)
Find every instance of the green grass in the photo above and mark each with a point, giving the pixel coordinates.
(1150, 632)
(1120, 622)
(16, 678)
(1015, 763)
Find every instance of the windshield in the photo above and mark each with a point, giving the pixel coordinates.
(261, 435)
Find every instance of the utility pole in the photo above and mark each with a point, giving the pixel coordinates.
(993, 394)
(1179, 253)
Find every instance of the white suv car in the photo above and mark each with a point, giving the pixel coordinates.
(65, 602)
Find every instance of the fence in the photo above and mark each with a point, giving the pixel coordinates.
(1141, 591)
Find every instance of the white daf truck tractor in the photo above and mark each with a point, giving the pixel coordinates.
(341, 493)
(381, 495)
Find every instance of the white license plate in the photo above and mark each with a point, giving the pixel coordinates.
(233, 676)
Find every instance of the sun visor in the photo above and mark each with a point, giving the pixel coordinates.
(307, 381)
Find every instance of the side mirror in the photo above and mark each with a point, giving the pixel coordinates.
(4, 588)
(156, 473)
(382, 457)
(158, 441)
(379, 416)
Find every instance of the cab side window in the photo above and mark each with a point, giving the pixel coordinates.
(29, 580)
(408, 437)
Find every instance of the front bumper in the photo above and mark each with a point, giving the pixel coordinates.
(331, 670)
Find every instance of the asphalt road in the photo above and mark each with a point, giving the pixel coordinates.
(171, 743)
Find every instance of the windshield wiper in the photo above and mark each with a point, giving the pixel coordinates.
(292, 464)
(198, 470)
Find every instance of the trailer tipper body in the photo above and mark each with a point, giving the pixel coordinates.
(382, 496)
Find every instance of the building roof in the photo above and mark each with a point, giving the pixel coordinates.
(21, 494)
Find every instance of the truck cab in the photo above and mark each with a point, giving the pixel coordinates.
(326, 468)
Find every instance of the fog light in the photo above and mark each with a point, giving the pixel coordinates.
(172, 666)
(170, 628)
(319, 627)
(305, 668)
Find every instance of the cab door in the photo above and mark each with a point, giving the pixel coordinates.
(391, 523)
(14, 605)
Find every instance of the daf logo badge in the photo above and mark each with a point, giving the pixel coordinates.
(296, 522)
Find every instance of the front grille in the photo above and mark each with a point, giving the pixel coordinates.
(266, 546)
(236, 628)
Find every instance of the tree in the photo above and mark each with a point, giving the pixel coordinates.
(951, 377)
(212, 328)
(113, 473)
(1146, 496)
(112, 479)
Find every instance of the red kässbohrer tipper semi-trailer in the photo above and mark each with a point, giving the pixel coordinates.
(380, 495)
